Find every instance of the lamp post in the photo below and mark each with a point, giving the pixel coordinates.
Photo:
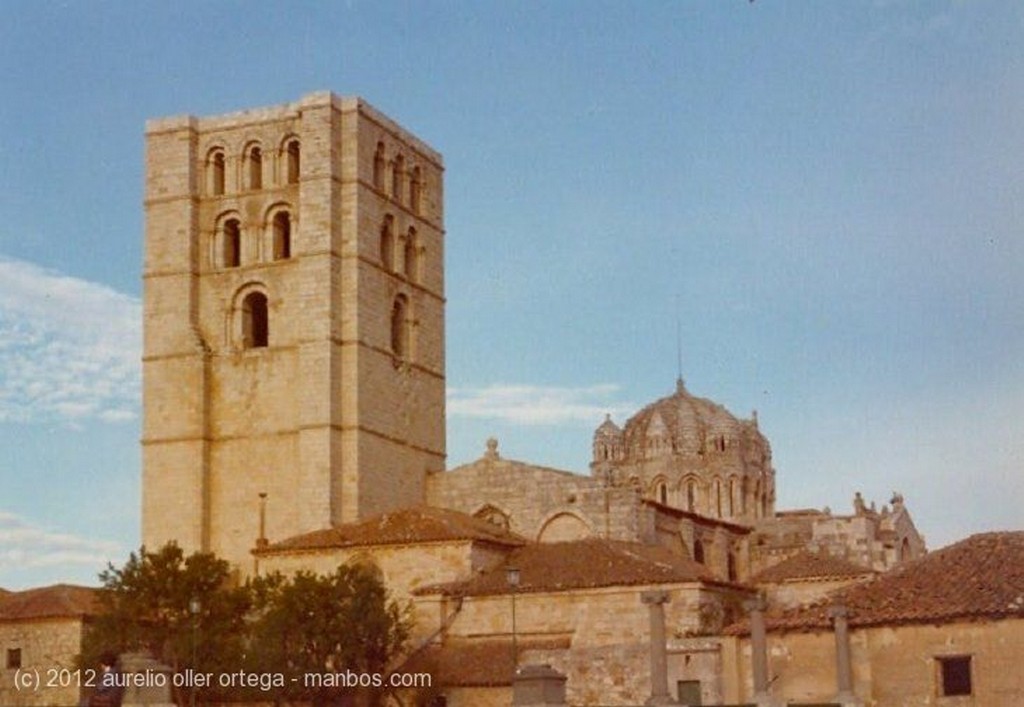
(512, 577)
(194, 607)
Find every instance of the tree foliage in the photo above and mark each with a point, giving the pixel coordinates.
(309, 624)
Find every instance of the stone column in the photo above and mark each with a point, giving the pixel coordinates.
(758, 649)
(656, 601)
(844, 669)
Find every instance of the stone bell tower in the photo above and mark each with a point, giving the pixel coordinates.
(293, 322)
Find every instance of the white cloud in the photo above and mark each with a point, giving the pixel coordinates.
(538, 405)
(69, 348)
(24, 546)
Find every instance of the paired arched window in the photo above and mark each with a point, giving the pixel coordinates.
(411, 263)
(254, 167)
(255, 321)
(282, 230)
(378, 167)
(400, 327)
(415, 190)
(397, 177)
(231, 243)
(387, 244)
(216, 166)
(291, 152)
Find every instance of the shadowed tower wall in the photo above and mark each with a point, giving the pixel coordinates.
(293, 322)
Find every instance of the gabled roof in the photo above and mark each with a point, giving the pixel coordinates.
(421, 524)
(810, 566)
(980, 578)
(56, 601)
(579, 564)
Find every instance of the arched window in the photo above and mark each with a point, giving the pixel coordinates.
(292, 162)
(254, 160)
(397, 176)
(216, 166)
(232, 243)
(410, 263)
(387, 244)
(662, 494)
(732, 497)
(282, 227)
(698, 551)
(400, 327)
(378, 167)
(255, 322)
(415, 189)
(691, 495)
(718, 498)
(744, 490)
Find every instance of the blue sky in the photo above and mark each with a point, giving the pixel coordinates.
(827, 197)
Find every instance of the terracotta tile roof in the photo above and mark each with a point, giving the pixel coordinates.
(57, 601)
(421, 524)
(593, 562)
(981, 577)
(806, 565)
(475, 663)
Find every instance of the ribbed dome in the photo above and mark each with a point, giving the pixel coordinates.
(693, 425)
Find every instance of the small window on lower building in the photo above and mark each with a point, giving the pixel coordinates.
(689, 692)
(955, 675)
(13, 658)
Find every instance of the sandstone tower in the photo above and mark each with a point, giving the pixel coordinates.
(294, 322)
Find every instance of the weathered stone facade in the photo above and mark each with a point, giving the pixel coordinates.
(293, 319)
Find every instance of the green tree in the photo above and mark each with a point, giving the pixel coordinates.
(145, 606)
(325, 626)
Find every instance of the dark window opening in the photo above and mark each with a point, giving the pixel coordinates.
(662, 494)
(415, 190)
(698, 551)
(255, 168)
(282, 235)
(691, 496)
(688, 692)
(956, 675)
(399, 327)
(410, 254)
(397, 174)
(378, 167)
(13, 658)
(232, 243)
(217, 176)
(732, 567)
(387, 245)
(255, 324)
(293, 161)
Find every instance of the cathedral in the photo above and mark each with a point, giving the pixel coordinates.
(294, 419)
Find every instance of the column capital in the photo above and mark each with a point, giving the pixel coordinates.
(654, 596)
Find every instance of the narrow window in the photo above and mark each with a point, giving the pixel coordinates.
(718, 498)
(743, 496)
(415, 190)
(732, 567)
(217, 174)
(378, 167)
(397, 175)
(400, 327)
(732, 497)
(255, 324)
(698, 551)
(662, 494)
(282, 235)
(691, 496)
(410, 255)
(955, 675)
(292, 157)
(232, 243)
(387, 245)
(255, 168)
(13, 658)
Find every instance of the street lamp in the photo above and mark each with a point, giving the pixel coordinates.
(194, 607)
(512, 578)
